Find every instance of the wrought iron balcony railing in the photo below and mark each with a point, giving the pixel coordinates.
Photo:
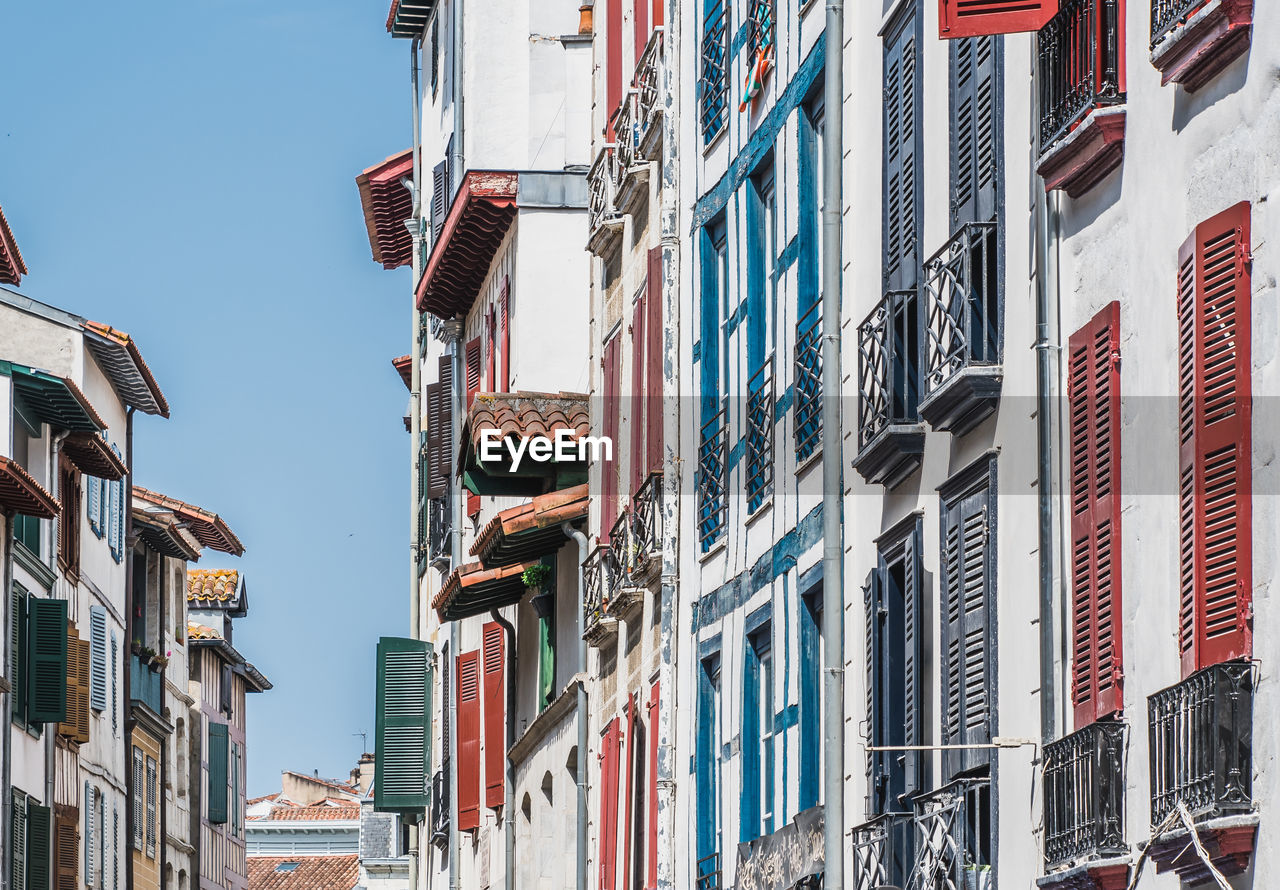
(440, 806)
(649, 71)
(600, 187)
(625, 139)
(883, 851)
(439, 529)
(761, 417)
(713, 82)
(1084, 776)
(888, 365)
(1201, 737)
(1079, 58)
(808, 386)
(600, 575)
(962, 312)
(1168, 15)
(953, 833)
(713, 478)
(146, 686)
(709, 872)
(646, 526)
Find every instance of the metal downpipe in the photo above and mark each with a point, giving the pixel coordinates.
(509, 814)
(584, 549)
(832, 475)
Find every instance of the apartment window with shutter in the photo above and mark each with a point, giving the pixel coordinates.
(613, 62)
(90, 835)
(968, 608)
(810, 705)
(653, 404)
(895, 632)
(402, 725)
(115, 681)
(93, 501)
(69, 519)
(75, 725)
(66, 853)
(98, 658)
(18, 841)
(711, 474)
(152, 793)
(44, 658)
(713, 80)
(1093, 396)
(707, 764)
(651, 839)
(1215, 442)
(114, 517)
(495, 713)
(758, 733)
(635, 404)
(468, 740)
(138, 796)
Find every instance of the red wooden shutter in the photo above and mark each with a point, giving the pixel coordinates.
(657, 13)
(1093, 392)
(504, 313)
(635, 410)
(1214, 431)
(473, 354)
(491, 375)
(609, 468)
(653, 361)
(495, 713)
(975, 18)
(629, 791)
(469, 740)
(652, 845)
(613, 63)
(608, 857)
(641, 27)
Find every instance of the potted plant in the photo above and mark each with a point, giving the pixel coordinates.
(535, 578)
(136, 648)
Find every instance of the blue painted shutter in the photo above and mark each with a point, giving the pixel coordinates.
(94, 495)
(902, 100)
(90, 808)
(975, 130)
(98, 658)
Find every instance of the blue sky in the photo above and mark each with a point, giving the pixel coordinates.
(186, 172)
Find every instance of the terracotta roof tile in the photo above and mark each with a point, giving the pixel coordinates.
(201, 632)
(478, 219)
(404, 367)
(12, 268)
(210, 528)
(345, 787)
(306, 873)
(474, 589)
(91, 455)
(212, 585)
(512, 534)
(387, 205)
(19, 493)
(123, 362)
(348, 810)
(528, 414)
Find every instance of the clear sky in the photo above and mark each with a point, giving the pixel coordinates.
(186, 171)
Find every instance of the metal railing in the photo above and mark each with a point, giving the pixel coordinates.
(953, 837)
(1079, 58)
(712, 478)
(962, 300)
(713, 80)
(1169, 15)
(808, 385)
(600, 190)
(439, 528)
(146, 686)
(1084, 775)
(625, 139)
(440, 805)
(1201, 738)
(599, 577)
(646, 523)
(761, 417)
(883, 851)
(709, 872)
(648, 86)
(888, 365)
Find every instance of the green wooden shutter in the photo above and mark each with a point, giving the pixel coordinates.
(18, 840)
(402, 772)
(18, 653)
(37, 852)
(46, 660)
(218, 754)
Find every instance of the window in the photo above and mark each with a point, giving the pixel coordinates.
(1081, 67)
(637, 788)
(217, 805)
(237, 790)
(811, 655)
(980, 17)
(712, 470)
(39, 659)
(610, 751)
(762, 251)
(713, 84)
(613, 62)
(1093, 396)
(759, 764)
(495, 711)
(611, 386)
(91, 873)
(469, 740)
(707, 764)
(115, 507)
(27, 447)
(807, 430)
(152, 793)
(968, 616)
(139, 792)
(69, 519)
(903, 205)
(98, 658)
(763, 27)
(1215, 436)
(30, 842)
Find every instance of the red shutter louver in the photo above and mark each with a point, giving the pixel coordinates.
(473, 355)
(652, 845)
(629, 792)
(635, 411)
(1093, 392)
(978, 18)
(608, 857)
(495, 713)
(609, 467)
(653, 359)
(469, 740)
(504, 318)
(613, 63)
(1215, 437)
(657, 13)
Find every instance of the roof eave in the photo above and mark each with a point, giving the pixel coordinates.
(387, 206)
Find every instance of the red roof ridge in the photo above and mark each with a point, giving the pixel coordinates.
(12, 266)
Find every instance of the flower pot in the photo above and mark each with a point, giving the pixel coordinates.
(544, 604)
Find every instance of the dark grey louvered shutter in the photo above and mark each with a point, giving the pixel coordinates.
(976, 122)
(439, 197)
(46, 660)
(967, 607)
(902, 195)
(436, 481)
(38, 854)
(444, 442)
(913, 719)
(873, 598)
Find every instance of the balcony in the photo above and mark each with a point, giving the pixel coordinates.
(645, 557)
(649, 107)
(600, 576)
(890, 435)
(709, 873)
(1201, 738)
(627, 594)
(1193, 40)
(712, 479)
(883, 851)
(440, 806)
(604, 223)
(1084, 776)
(963, 312)
(439, 532)
(146, 686)
(630, 173)
(954, 832)
(761, 417)
(808, 386)
(1081, 95)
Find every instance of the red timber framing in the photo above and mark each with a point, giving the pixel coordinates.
(653, 362)
(495, 713)
(469, 740)
(977, 18)
(1215, 437)
(610, 749)
(651, 845)
(1093, 394)
(612, 380)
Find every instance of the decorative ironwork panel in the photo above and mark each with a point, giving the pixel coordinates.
(599, 578)
(953, 838)
(1168, 15)
(1079, 57)
(713, 472)
(882, 851)
(709, 872)
(713, 85)
(761, 418)
(440, 805)
(440, 525)
(762, 25)
(625, 138)
(648, 87)
(646, 522)
(962, 304)
(1084, 775)
(600, 189)
(808, 386)
(1201, 738)
(888, 365)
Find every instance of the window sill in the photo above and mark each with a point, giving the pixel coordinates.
(815, 457)
(967, 398)
(1098, 874)
(893, 455)
(1229, 842)
(1213, 38)
(1082, 158)
(711, 144)
(766, 506)
(714, 550)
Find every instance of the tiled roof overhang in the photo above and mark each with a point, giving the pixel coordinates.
(516, 415)
(120, 358)
(209, 528)
(256, 682)
(474, 590)
(531, 531)
(408, 18)
(92, 456)
(478, 220)
(55, 400)
(19, 493)
(387, 205)
(404, 367)
(162, 533)
(12, 268)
